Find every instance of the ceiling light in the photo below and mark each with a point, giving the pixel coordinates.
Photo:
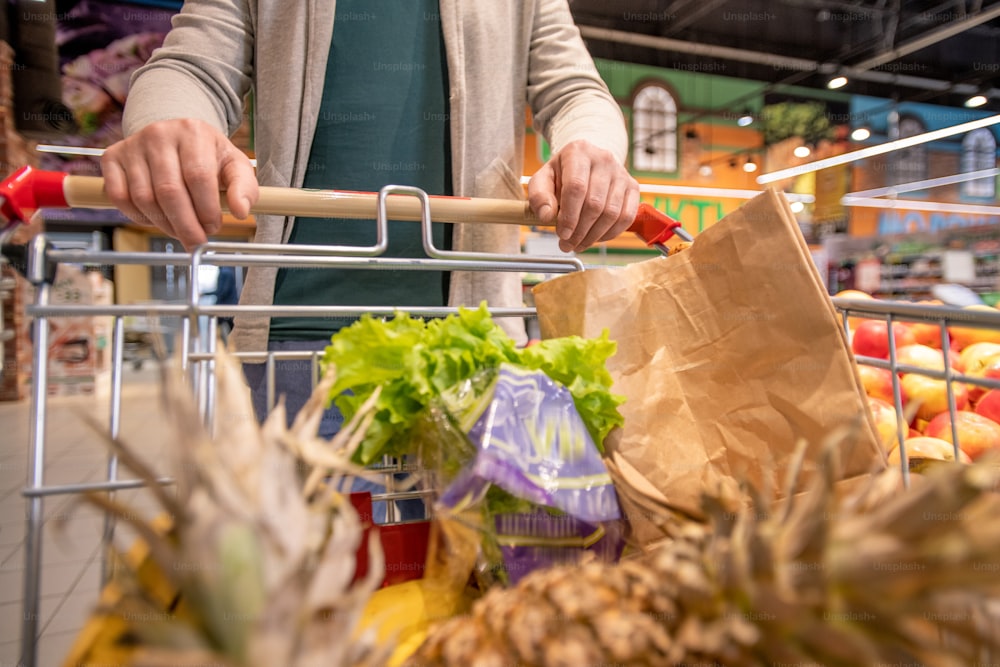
(976, 100)
(705, 170)
(915, 205)
(745, 119)
(750, 165)
(860, 133)
(838, 81)
(927, 183)
(880, 149)
(797, 207)
(801, 151)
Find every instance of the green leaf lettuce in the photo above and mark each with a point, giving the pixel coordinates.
(415, 361)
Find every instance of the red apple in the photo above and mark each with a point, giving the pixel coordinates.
(876, 381)
(956, 360)
(963, 337)
(989, 405)
(976, 434)
(977, 355)
(852, 322)
(991, 372)
(980, 360)
(871, 338)
(921, 356)
(884, 416)
(929, 395)
(926, 333)
(922, 449)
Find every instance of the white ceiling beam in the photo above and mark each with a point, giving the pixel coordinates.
(928, 38)
(778, 62)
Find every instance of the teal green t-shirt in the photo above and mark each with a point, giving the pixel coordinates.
(383, 120)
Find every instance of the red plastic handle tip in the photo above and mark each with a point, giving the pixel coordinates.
(652, 226)
(29, 189)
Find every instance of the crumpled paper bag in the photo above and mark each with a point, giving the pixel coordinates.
(728, 353)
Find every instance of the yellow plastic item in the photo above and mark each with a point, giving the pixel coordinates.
(99, 642)
(402, 614)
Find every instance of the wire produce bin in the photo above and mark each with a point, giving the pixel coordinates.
(947, 320)
(196, 345)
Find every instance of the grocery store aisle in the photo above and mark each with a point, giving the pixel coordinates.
(71, 548)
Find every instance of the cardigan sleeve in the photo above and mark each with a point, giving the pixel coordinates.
(202, 71)
(567, 96)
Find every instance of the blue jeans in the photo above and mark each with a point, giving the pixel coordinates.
(293, 379)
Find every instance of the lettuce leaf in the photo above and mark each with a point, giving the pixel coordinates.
(579, 364)
(415, 361)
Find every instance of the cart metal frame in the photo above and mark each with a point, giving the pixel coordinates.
(197, 356)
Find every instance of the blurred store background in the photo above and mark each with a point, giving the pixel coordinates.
(722, 99)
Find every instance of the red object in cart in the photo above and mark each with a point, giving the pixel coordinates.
(403, 544)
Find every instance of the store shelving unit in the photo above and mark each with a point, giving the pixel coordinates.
(910, 266)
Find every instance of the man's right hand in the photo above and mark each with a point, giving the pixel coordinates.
(170, 173)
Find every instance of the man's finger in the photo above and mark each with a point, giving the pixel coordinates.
(574, 184)
(542, 194)
(238, 179)
(116, 187)
(174, 198)
(199, 203)
(142, 195)
(629, 208)
(608, 206)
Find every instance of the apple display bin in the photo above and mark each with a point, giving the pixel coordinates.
(940, 326)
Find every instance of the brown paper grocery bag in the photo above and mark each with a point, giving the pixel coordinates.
(728, 353)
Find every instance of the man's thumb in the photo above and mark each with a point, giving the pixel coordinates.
(240, 183)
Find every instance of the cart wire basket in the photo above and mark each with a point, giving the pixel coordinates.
(195, 345)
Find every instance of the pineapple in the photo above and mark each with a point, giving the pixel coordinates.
(257, 566)
(876, 578)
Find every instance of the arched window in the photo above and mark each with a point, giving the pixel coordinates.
(909, 164)
(654, 130)
(979, 151)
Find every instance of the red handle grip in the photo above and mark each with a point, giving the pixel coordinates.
(655, 227)
(28, 189)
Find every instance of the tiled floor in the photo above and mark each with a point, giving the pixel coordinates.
(71, 548)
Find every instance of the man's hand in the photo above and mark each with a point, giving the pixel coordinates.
(169, 175)
(589, 195)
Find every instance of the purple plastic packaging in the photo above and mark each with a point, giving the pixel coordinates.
(532, 443)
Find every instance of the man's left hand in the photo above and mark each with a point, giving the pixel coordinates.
(587, 193)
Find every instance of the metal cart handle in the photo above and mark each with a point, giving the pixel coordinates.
(28, 189)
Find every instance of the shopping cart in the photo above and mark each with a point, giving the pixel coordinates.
(196, 348)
